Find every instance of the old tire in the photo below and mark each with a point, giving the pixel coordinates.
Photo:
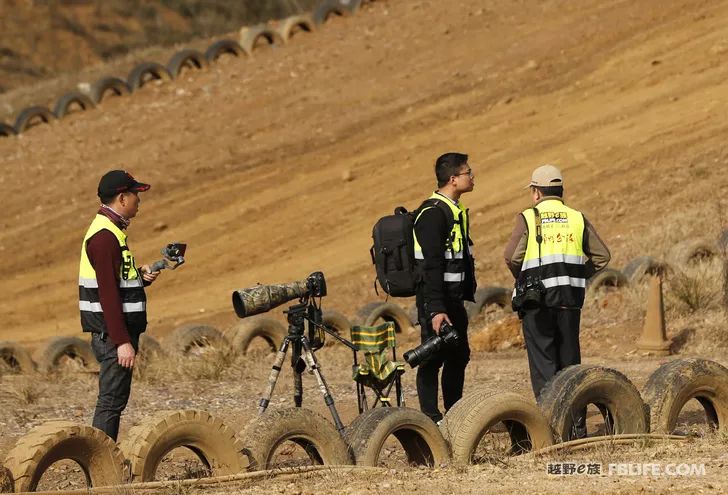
(470, 419)
(485, 297)
(64, 103)
(192, 59)
(390, 312)
(672, 385)
(270, 330)
(640, 266)
(291, 25)
(220, 47)
(691, 251)
(138, 75)
(7, 130)
(314, 433)
(607, 278)
(337, 323)
(149, 346)
(328, 8)
(117, 86)
(574, 387)
(57, 348)
(100, 459)
(188, 337)
(249, 36)
(29, 115)
(16, 357)
(421, 439)
(214, 443)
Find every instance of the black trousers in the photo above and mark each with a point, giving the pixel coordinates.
(552, 342)
(452, 360)
(114, 384)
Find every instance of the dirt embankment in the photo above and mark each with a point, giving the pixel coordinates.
(39, 40)
(247, 159)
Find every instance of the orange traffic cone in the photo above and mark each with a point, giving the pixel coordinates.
(653, 338)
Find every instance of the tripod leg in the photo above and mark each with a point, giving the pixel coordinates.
(310, 358)
(273, 378)
(297, 389)
(298, 368)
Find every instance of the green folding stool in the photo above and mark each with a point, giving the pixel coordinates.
(377, 371)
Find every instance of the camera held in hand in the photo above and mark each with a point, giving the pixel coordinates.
(447, 337)
(529, 294)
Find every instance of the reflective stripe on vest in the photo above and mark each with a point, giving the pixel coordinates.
(131, 285)
(562, 263)
(457, 245)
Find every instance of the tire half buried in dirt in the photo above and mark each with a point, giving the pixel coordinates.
(208, 437)
(57, 348)
(421, 439)
(487, 296)
(472, 417)
(609, 277)
(268, 329)
(672, 385)
(567, 395)
(337, 323)
(390, 312)
(16, 357)
(311, 431)
(100, 459)
(190, 336)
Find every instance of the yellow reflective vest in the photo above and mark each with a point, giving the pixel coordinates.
(131, 285)
(458, 274)
(560, 263)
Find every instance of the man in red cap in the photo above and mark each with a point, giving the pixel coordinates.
(111, 295)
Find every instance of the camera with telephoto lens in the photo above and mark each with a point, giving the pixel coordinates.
(529, 294)
(447, 337)
(261, 298)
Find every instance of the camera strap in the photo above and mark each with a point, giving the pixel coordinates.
(539, 237)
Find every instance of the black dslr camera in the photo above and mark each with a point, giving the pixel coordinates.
(447, 337)
(529, 294)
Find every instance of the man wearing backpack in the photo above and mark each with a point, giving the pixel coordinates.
(442, 252)
(552, 252)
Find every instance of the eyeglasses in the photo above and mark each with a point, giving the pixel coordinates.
(469, 172)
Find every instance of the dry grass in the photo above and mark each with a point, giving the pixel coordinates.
(26, 390)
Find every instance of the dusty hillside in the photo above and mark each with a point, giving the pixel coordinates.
(39, 40)
(247, 160)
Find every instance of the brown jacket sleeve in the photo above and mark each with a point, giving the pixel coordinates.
(516, 248)
(595, 250)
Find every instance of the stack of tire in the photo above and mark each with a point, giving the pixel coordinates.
(276, 34)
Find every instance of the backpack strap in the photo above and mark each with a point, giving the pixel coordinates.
(445, 209)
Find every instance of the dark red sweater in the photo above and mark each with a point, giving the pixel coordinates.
(105, 256)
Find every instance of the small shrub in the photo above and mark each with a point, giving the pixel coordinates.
(695, 290)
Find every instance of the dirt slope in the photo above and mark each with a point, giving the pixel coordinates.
(246, 159)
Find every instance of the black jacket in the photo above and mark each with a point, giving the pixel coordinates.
(432, 230)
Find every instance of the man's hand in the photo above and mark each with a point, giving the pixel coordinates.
(148, 275)
(437, 321)
(125, 355)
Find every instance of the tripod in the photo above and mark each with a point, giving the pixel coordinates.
(302, 356)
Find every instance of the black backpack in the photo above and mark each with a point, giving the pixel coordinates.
(393, 251)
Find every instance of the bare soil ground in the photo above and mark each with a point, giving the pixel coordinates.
(278, 166)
